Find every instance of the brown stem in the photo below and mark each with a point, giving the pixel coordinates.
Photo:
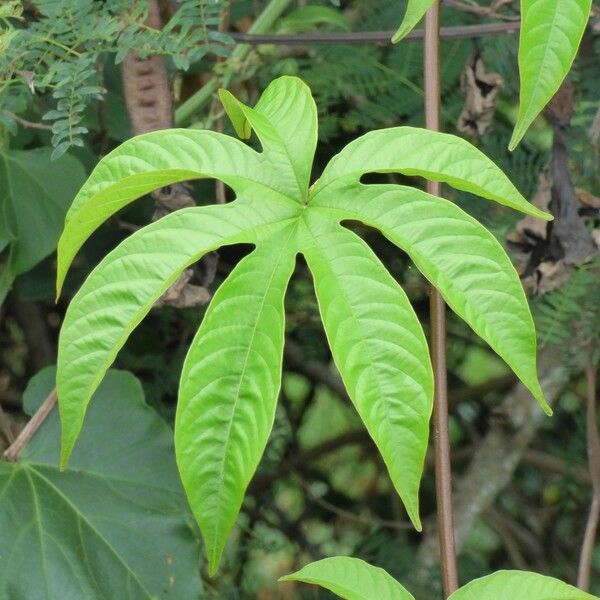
(443, 472)
(593, 452)
(11, 454)
(25, 122)
(373, 37)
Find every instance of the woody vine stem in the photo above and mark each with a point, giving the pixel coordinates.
(438, 329)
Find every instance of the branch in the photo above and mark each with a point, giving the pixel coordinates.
(372, 37)
(25, 122)
(11, 454)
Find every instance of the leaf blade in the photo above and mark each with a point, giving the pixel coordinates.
(154, 160)
(465, 262)
(414, 13)
(430, 154)
(124, 286)
(506, 585)
(229, 388)
(551, 32)
(285, 120)
(352, 579)
(386, 371)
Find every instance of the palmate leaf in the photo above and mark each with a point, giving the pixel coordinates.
(352, 579)
(551, 31)
(231, 376)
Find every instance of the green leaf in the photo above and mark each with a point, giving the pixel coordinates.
(285, 120)
(414, 13)
(229, 388)
(226, 408)
(115, 524)
(460, 258)
(378, 347)
(435, 156)
(551, 31)
(124, 286)
(34, 197)
(508, 585)
(155, 160)
(352, 579)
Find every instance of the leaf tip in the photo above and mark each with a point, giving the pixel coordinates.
(399, 35)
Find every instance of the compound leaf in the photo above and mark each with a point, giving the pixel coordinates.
(551, 31)
(123, 287)
(414, 13)
(435, 156)
(229, 388)
(113, 525)
(379, 349)
(460, 258)
(507, 585)
(352, 579)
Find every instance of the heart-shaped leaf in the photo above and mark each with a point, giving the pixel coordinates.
(113, 525)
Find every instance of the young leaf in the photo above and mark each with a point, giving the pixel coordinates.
(113, 525)
(124, 286)
(414, 13)
(508, 585)
(460, 258)
(379, 349)
(285, 120)
(551, 31)
(352, 579)
(435, 156)
(229, 388)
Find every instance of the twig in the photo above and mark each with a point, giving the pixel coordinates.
(483, 11)
(593, 452)
(349, 516)
(510, 543)
(25, 122)
(373, 37)
(443, 470)
(11, 454)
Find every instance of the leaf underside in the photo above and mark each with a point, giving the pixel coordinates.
(229, 388)
(414, 13)
(551, 31)
(232, 374)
